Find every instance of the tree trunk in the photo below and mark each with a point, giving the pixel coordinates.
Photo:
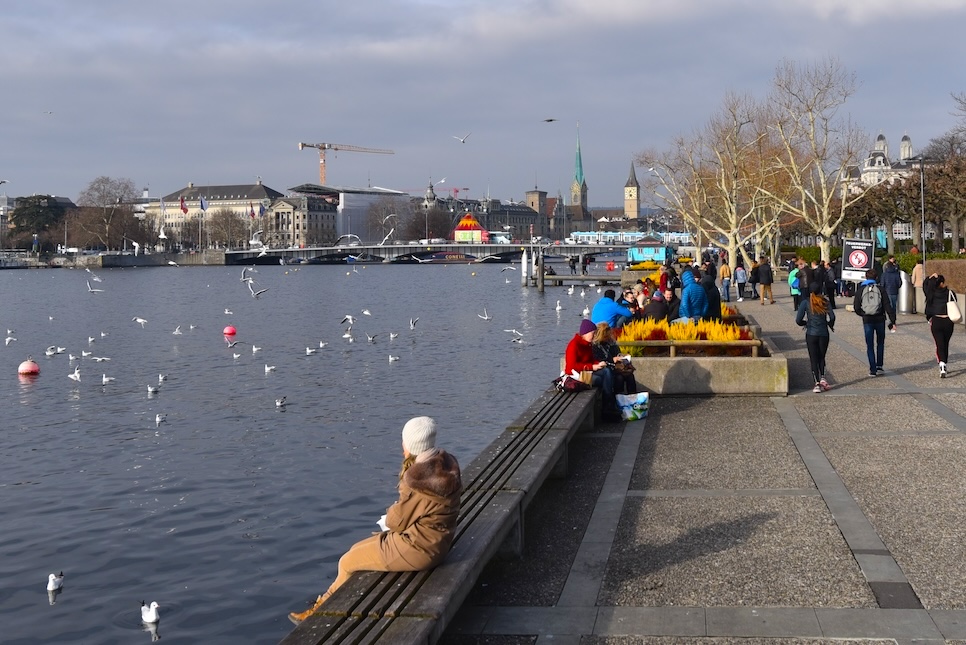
(954, 229)
(890, 237)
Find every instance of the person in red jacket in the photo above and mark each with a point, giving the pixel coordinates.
(579, 357)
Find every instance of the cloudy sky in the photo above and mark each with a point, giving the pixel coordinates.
(222, 91)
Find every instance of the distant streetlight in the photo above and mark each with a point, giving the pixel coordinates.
(922, 205)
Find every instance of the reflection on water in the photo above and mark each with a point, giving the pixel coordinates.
(233, 511)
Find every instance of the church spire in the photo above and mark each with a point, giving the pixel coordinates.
(578, 164)
(632, 180)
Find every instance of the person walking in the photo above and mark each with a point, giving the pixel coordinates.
(874, 307)
(724, 274)
(741, 278)
(753, 279)
(765, 278)
(817, 317)
(937, 295)
(421, 525)
(916, 278)
(892, 280)
(830, 282)
(795, 284)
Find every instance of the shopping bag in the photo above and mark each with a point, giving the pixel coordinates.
(633, 406)
(952, 309)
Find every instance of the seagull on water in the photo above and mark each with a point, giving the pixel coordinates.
(558, 307)
(153, 389)
(393, 359)
(105, 379)
(172, 263)
(91, 289)
(484, 315)
(177, 331)
(393, 335)
(235, 356)
(90, 340)
(55, 581)
(75, 375)
(309, 351)
(99, 359)
(586, 312)
(372, 338)
(228, 311)
(322, 344)
(162, 378)
(104, 334)
(85, 354)
(412, 323)
(159, 419)
(516, 339)
(140, 321)
(50, 351)
(365, 312)
(570, 290)
(256, 349)
(280, 403)
(269, 368)
(583, 294)
(150, 613)
(71, 357)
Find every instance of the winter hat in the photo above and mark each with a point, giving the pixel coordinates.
(814, 287)
(586, 327)
(419, 435)
(658, 296)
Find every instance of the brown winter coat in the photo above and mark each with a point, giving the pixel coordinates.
(422, 522)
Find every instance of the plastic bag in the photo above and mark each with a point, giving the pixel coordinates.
(633, 406)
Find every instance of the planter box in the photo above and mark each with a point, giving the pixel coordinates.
(705, 375)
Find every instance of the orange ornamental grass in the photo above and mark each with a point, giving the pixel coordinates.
(727, 311)
(660, 330)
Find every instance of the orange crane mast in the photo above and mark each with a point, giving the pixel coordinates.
(338, 147)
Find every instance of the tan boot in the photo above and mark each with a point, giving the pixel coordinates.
(300, 616)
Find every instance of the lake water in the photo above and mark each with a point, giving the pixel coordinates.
(234, 512)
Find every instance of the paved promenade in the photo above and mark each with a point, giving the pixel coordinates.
(816, 518)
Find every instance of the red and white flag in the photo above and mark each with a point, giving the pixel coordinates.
(251, 210)
(184, 209)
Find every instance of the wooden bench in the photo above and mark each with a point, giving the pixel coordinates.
(416, 607)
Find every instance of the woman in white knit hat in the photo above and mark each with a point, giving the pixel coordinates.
(421, 523)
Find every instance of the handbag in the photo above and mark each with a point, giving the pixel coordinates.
(587, 377)
(952, 309)
(567, 383)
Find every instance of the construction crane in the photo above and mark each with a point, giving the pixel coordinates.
(455, 191)
(338, 147)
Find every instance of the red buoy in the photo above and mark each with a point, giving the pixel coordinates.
(229, 331)
(29, 368)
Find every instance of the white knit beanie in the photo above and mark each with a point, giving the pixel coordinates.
(419, 435)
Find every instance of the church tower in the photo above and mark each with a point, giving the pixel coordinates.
(632, 196)
(578, 190)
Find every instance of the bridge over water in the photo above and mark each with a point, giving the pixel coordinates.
(419, 253)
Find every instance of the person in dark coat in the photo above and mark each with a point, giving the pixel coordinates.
(673, 304)
(941, 327)
(713, 311)
(765, 279)
(657, 308)
(891, 280)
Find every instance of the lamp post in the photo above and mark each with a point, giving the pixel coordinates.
(922, 205)
(3, 224)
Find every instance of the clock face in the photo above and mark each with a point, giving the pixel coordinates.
(629, 193)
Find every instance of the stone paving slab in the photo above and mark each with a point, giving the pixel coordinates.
(716, 443)
(668, 640)
(711, 552)
(920, 517)
(868, 413)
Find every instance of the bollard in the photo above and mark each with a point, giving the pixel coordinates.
(539, 272)
(524, 269)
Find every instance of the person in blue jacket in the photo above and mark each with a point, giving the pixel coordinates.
(694, 301)
(608, 311)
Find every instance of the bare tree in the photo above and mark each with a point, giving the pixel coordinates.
(106, 204)
(227, 228)
(817, 146)
(385, 216)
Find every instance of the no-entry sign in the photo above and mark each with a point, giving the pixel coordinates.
(858, 256)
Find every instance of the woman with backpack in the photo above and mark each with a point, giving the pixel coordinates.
(817, 317)
(937, 295)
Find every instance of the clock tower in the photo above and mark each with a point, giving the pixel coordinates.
(632, 196)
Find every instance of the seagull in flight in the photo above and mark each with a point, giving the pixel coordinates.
(365, 312)
(172, 263)
(348, 332)
(463, 139)
(91, 289)
(140, 321)
(372, 338)
(99, 359)
(75, 375)
(228, 311)
(508, 268)
(484, 315)
(93, 275)
(232, 343)
(177, 331)
(412, 323)
(348, 319)
(513, 331)
(255, 294)
(550, 120)
(8, 340)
